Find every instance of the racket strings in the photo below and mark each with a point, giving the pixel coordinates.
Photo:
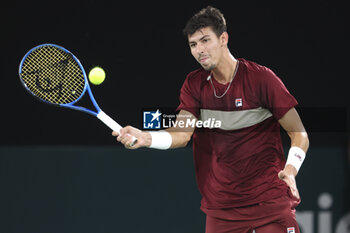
(53, 75)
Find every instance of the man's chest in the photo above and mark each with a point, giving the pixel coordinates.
(228, 98)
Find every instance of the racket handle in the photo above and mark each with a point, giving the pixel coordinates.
(112, 124)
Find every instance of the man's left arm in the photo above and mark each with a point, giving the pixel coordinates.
(293, 125)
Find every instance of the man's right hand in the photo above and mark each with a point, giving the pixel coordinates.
(126, 137)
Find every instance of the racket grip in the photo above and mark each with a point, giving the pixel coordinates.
(109, 121)
(112, 124)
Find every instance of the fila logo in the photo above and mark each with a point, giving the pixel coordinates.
(239, 102)
(290, 230)
(298, 156)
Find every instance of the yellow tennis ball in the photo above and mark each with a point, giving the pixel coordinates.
(97, 75)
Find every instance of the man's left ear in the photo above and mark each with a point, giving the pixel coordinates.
(224, 38)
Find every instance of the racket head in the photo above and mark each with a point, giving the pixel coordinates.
(53, 75)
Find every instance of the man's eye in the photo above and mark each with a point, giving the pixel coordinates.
(192, 45)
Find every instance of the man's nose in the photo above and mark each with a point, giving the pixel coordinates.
(199, 49)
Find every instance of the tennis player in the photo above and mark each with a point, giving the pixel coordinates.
(242, 174)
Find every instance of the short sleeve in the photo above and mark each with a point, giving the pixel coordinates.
(189, 97)
(274, 95)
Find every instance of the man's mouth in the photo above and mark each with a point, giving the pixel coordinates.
(203, 59)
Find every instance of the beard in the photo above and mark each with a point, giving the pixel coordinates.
(209, 67)
(206, 66)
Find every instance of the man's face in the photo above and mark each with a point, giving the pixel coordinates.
(206, 47)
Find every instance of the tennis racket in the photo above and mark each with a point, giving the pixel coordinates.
(55, 76)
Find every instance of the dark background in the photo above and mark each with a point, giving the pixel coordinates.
(62, 171)
(146, 58)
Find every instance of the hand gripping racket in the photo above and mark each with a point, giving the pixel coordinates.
(55, 76)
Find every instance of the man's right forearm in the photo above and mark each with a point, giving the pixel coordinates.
(180, 139)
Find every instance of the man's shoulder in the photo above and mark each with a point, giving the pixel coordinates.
(253, 67)
(256, 73)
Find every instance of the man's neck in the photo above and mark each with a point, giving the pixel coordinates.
(225, 70)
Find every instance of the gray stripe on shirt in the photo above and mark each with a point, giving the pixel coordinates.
(232, 120)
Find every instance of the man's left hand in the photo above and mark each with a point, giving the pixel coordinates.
(288, 175)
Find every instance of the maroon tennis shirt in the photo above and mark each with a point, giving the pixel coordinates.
(237, 164)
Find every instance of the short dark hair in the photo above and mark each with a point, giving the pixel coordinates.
(207, 17)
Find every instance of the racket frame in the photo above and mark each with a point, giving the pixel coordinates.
(86, 83)
(99, 113)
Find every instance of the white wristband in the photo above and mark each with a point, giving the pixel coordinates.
(296, 157)
(161, 140)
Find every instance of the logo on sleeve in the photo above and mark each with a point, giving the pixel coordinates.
(290, 230)
(239, 102)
